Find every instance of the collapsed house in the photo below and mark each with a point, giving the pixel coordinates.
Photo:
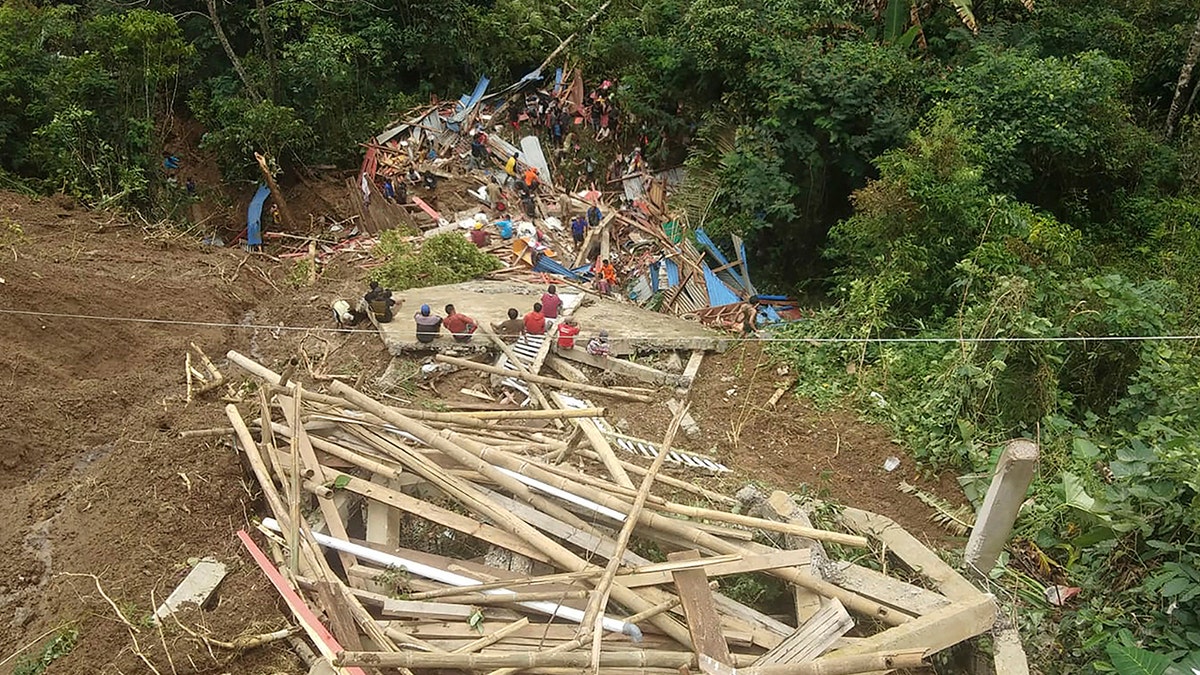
(504, 539)
(664, 262)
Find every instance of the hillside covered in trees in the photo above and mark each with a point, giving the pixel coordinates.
(1014, 184)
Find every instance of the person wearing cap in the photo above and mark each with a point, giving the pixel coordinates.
(479, 236)
(535, 321)
(551, 302)
(567, 331)
(428, 325)
(461, 326)
(598, 346)
(510, 330)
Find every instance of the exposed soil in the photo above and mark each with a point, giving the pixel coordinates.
(98, 482)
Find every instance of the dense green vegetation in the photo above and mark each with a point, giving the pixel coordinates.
(1000, 172)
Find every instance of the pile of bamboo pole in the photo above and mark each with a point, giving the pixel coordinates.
(415, 541)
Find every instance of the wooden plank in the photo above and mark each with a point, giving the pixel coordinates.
(745, 564)
(436, 514)
(341, 622)
(932, 632)
(321, 637)
(880, 587)
(703, 622)
(812, 639)
(914, 554)
(690, 371)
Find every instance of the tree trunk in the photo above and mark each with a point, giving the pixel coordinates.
(237, 63)
(1185, 78)
(264, 27)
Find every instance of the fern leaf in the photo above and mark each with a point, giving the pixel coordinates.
(956, 520)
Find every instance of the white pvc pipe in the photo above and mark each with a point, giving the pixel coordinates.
(460, 581)
(564, 495)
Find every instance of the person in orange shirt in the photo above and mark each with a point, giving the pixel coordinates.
(531, 178)
(607, 278)
(567, 330)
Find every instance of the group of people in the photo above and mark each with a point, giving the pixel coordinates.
(377, 302)
(543, 318)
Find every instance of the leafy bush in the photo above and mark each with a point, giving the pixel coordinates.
(443, 259)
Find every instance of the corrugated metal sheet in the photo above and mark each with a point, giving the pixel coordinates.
(718, 292)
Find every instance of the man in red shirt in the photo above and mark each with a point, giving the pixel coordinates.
(551, 303)
(535, 321)
(461, 326)
(567, 331)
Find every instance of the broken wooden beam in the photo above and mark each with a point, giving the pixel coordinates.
(621, 367)
(703, 622)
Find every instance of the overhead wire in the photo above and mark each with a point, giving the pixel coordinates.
(756, 338)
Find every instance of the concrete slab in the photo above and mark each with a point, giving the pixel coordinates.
(195, 588)
(631, 329)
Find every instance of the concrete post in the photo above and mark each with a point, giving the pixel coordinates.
(1014, 473)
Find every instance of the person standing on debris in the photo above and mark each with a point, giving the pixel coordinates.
(510, 167)
(389, 190)
(564, 207)
(514, 116)
(551, 302)
(594, 216)
(535, 321)
(528, 204)
(276, 216)
(428, 325)
(531, 179)
(401, 192)
(461, 326)
(510, 330)
(479, 236)
(567, 332)
(578, 228)
(598, 346)
(493, 193)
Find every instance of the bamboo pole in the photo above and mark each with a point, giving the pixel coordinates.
(837, 665)
(493, 638)
(711, 496)
(471, 497)
(542, 379)
(565, 577)
(510, 598)
(762, 524)
(516, 363)
(599, 597)
(294, 493)
(686, 532)
(531, 659)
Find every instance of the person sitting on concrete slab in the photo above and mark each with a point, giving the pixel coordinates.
(428, 325)
(379, 303)
(510, 330)
(551, 302)
(461, 326)
(535, 321)
(598, 346)
(567, 331)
